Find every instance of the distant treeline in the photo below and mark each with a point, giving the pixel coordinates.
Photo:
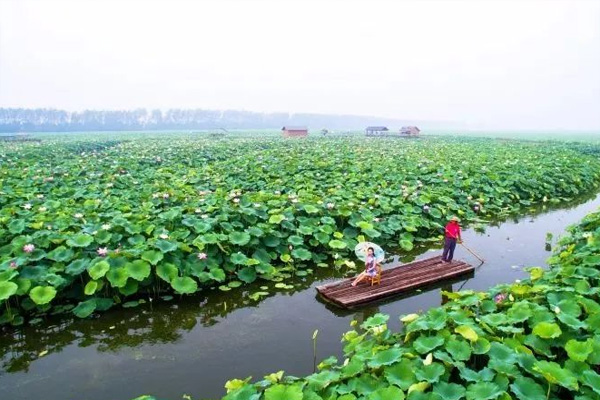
(51, 120)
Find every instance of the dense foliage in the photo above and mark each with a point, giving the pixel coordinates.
(532, 340)
(50, 120)
(87, 224)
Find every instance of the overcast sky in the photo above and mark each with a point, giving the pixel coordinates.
(488, 64)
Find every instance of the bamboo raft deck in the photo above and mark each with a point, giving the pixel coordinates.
(394, 281)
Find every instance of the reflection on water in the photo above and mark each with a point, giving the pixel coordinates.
(193, 345)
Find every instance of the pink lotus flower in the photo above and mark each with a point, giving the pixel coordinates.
(13, 264)
(165, 195)
(102, 251)
(27, 206)
(499, 298)
(330, 205)
(202, 256)
(28, 248)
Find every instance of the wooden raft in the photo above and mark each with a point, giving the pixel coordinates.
(394, 281)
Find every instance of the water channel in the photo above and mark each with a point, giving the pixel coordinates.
(194, 345)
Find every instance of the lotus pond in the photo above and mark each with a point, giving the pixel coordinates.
(123, 221)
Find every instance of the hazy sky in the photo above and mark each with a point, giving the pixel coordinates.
(490, 64)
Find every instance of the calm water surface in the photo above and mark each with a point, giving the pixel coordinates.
(193, 346)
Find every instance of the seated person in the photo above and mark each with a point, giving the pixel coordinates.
(372, 268)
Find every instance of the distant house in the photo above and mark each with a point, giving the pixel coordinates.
(376, 130)
(410, 130)
(294, 131)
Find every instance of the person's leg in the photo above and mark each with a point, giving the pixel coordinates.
(451, 250)
(359, 278)
(446, 248)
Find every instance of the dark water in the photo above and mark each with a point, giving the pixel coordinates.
(193, 346)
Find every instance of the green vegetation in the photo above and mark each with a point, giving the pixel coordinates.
(85, 225)
(532, 340)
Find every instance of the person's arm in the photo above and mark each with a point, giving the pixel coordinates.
(459, 236)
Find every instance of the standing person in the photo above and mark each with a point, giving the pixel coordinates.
(451, 236)
(371, 267)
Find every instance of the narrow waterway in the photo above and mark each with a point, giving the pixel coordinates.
(193, 345)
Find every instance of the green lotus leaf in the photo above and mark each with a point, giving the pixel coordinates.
(337, 244)
(387, 393)
(528, 389)
(61, 254)
(152, 256)
(239, 238)
(77, 267)
(217, 274)
(238, 258)
(310, 209)
(458, 349)
(385, 357)
(284, 392)
(36, 255)
(430, 373)
(42, 294)
(209, 238)
(184, 285)
(272, 241)
(295, 240)
(166, 246)
(138, 270)
(103, 237)
(302, 254)
(591, 379)
(255, 231)
(322, 379)
(33, 273)
(305, 230)
(519, 312)
(16, 226)
(547, 330)
(554, 374)
(483, 391)
(130, 288)
(425, 344)
(579, 351)
(246, 392)
(7, 289)
(435, 213)
(467, 332)
(80, 240)
(167, 271)
(24, 285)
(247, 274)
(85, 308)
(376, 320)
(98, 270)
(170, 215)
(406, 245)
(117, 277)
(90, 288)
(449, 391)
(276, 219)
